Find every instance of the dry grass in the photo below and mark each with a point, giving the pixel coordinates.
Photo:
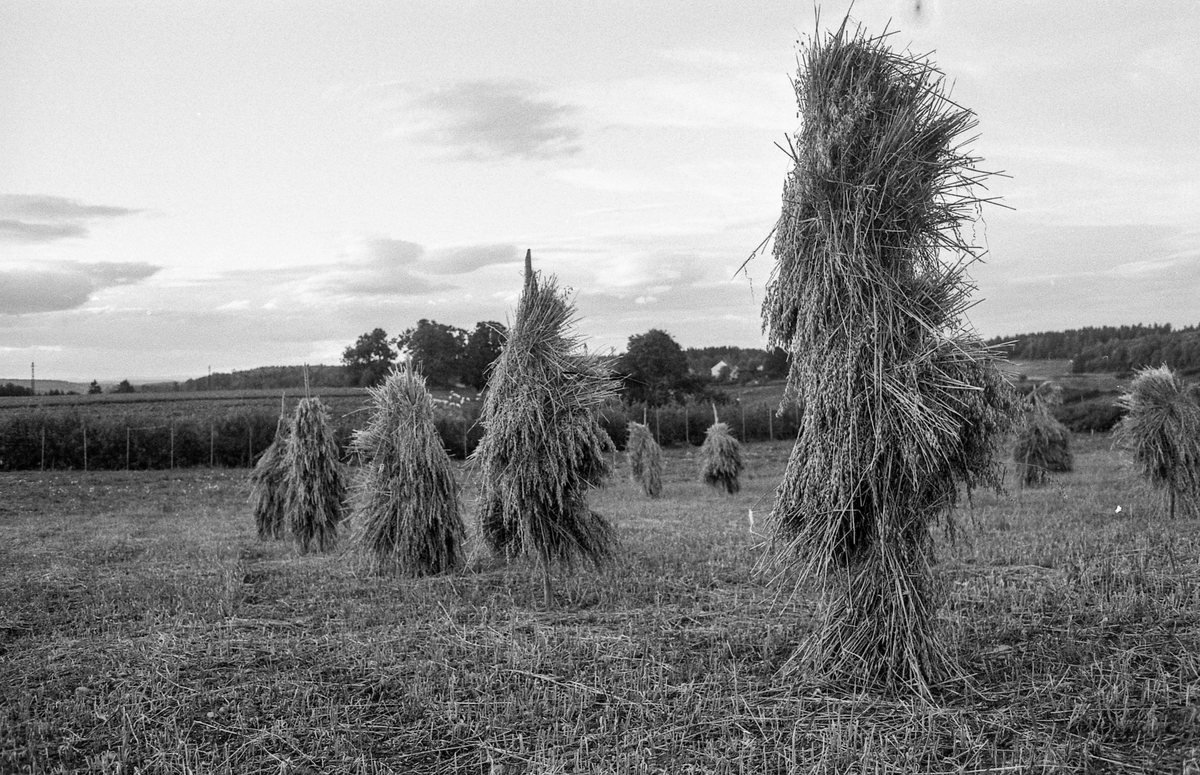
(1082, 638)
(405, 500)
(145, 627)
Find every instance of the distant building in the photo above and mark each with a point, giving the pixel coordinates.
(724, 371)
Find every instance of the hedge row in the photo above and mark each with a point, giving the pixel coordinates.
(69, 440)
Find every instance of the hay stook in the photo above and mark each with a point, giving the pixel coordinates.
(406, 516)
(902, 401)
(721, 458)
(543, 447)
(267, 486)
(645, 459)
(1161, 429)
(314, 483)
(1043, 444)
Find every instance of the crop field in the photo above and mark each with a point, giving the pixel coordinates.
(145, 629)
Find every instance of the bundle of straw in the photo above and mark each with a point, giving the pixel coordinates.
(901, 399)
(721, 459)
(405, 499)
(313, 481)
(1162, 430)
(645, 459)
(1043, 444)
(267, 485)
(544, 447)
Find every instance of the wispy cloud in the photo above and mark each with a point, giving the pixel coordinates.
(42, 218)
(468, 258)
(497, 119)
(64, 285)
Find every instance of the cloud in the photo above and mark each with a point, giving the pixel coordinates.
(497, 119)
(22, 231)
(41, 218)
(394, 252)
(468, 258)
(65, 285)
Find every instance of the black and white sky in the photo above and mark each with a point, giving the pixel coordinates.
(230, 184)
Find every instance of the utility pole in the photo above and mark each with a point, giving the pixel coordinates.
(32, 381)
(210, 377)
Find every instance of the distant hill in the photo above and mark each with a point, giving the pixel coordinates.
(1116, 349)
(46, 385)
(264, 377)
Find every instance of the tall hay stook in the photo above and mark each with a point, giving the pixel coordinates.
(544, 447)
(405, 498)
(267, 486)
(902, 401)
(314, 483)
(1162, 430)
(645, 459)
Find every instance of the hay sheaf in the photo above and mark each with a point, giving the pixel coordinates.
(544, 447)
(405, 498)
(645, 459)
(902, 401)
(267, 487)
(1161, 429)
(314, 484)
(721, 458)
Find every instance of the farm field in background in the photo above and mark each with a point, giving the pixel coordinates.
(145, 627)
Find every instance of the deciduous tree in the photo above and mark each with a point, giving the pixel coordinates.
(369, 359)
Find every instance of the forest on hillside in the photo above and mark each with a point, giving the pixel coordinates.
(1118, 349)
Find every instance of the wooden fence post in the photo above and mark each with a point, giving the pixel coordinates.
(212, 442)
(85, 446)
(43, 447)
(126, 447)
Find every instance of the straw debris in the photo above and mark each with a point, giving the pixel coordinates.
(314, 484)
(405, 498)
(902, 401)
(645, 459)
(1162, 430)
(544, 447)
(721, 459)
(267, 485)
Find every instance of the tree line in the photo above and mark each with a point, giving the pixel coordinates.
(653, 370)
(1119, 349)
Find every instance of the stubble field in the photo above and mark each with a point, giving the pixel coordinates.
(145, 629)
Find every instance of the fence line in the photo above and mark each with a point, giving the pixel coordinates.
(41, 440)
